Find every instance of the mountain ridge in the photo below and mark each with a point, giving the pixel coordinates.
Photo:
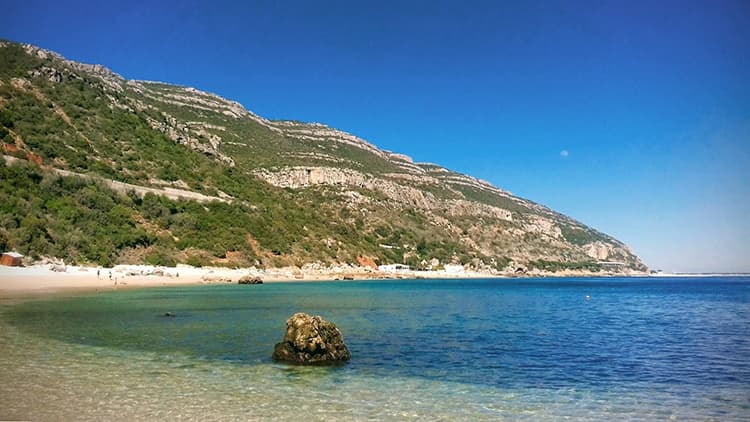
(156, 134)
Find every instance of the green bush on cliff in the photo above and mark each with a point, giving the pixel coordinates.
(553, 266)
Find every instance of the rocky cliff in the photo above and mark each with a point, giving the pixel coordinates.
(291, 192)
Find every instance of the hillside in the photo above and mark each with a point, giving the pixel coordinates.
(271, 193)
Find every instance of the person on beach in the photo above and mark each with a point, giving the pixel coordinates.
(98, 271)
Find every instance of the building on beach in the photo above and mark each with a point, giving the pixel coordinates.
(11, 259)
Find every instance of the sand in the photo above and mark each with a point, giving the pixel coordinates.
(50, 278)
(42, 279)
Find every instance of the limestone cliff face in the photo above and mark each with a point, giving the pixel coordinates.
(598, 250)
(320, 132)
(385, 195)
(399, 193)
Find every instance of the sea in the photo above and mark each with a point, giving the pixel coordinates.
(584, 349)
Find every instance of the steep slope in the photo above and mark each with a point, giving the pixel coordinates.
(291, 192)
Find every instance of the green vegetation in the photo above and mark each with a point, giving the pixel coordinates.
(579, 236)
(15, 61)
(43, 214)
(488, 198)
(545, 265)
(65, 217)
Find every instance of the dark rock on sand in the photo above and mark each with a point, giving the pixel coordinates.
(311, 340)
(250, 280)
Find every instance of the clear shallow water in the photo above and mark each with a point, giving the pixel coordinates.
(453, 350)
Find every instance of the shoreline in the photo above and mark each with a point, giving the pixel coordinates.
(50, 279)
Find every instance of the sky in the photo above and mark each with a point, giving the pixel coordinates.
(632, 117)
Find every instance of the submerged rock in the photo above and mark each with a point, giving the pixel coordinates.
(311, 340)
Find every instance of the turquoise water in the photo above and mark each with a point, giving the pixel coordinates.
(531, 349)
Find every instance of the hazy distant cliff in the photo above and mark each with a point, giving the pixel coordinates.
(285, 192)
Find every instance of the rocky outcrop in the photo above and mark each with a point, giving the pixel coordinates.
(597, 250)
(248, 279)
(194, 136)
(399, 193)
(613, 252)
(317, 132)
(300, 177)
(49, 73)
(311, 340)
(458, 207)
(542, 225)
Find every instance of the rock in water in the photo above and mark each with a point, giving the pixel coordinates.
(311, 340)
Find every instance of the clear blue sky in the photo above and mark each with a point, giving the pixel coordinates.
(630, 116)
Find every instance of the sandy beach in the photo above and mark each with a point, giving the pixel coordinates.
(50, 278)
(43, 279)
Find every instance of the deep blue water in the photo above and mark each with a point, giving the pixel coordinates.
(651, 334)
